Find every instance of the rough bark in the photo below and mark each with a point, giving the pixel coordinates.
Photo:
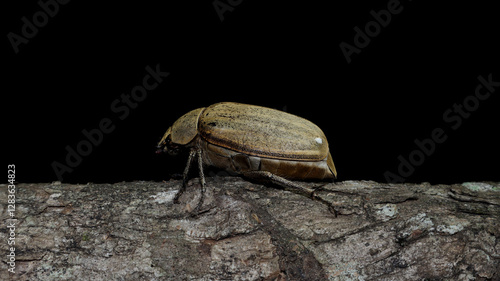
(247, 231)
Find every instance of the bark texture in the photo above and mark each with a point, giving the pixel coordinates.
(355, 230)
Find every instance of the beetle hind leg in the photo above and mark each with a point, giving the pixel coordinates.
(292, 186)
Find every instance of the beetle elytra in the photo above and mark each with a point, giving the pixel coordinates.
(253, 141)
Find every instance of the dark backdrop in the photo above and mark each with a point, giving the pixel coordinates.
(400, 81)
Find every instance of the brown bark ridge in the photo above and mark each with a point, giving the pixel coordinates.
(354, 230)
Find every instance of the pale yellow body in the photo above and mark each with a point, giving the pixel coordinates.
(243, 138)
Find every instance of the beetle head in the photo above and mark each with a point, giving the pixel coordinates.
(166, 145)
(181, 133)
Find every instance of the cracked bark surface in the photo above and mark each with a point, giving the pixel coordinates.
(247, 231)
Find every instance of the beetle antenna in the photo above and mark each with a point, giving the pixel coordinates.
(159, 149)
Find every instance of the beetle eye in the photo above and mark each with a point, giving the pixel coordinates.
(173, 149)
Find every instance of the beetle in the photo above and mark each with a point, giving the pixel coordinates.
(253, 141)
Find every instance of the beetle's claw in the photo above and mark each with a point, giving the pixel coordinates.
(196, 212)
(177, 196)
(198, 207)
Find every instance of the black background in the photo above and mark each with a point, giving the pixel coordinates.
(279, 54)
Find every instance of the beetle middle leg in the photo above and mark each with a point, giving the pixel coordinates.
(184, 176)
(192, 154)
(202, 180)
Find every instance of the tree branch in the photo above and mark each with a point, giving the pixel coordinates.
(247, 231)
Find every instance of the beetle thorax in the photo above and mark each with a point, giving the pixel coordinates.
(185, 129)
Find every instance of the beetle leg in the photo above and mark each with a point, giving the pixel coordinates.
(202, 180)
(184, 177)
(280, 181)
(290, 185)
(200, 167)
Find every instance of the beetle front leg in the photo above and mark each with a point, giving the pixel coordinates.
(184, 176)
